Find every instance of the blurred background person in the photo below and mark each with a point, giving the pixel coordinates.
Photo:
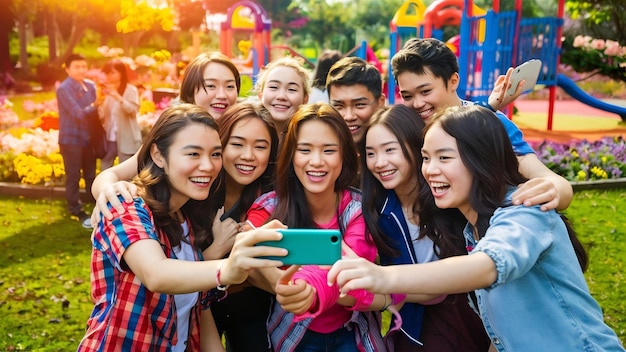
(118, 114)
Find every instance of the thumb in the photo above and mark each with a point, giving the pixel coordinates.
(285, 278)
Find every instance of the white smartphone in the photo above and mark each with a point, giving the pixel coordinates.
(528, 71)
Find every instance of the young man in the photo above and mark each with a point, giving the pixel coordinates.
(76, 98)
(427, 73)
(355, 90)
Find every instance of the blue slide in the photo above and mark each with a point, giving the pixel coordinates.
(575, 92)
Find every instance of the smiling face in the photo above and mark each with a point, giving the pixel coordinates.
(317, 161)
(247, 151)
(193, 161)
(450, 181)
(282, 94)
(356, 104)
(219, 91)
(386, 161)
(426, 93)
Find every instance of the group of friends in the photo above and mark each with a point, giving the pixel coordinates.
(455, 228)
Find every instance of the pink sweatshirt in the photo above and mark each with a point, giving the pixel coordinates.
(328, 315)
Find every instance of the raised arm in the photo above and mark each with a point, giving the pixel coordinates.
(109, 184)
(451, 275)
(543, 187)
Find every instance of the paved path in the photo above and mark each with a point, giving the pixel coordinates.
(573, 120)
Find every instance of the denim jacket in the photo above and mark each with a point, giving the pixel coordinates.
(540, 300)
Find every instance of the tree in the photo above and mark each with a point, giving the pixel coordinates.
(138, 18)
(80, 14)
(371, 19)
(7, 19)
(328, 23)
(604, 19)
(191, 14)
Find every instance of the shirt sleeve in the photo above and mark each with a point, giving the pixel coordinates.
(130, 101)
(259, 211)
(516, 239)
(114, 236)
(520, 146)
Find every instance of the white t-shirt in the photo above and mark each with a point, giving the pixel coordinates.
(186, 301)
(423, 247)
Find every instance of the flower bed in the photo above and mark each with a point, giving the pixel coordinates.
(584, 160)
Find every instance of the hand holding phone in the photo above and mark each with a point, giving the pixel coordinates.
(308, 246)
(529, 72)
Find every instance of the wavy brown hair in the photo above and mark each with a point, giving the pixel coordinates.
(153, 182)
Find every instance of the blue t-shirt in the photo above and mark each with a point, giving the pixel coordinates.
(520, 147)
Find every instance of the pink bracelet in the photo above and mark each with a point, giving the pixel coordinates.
(218, 275)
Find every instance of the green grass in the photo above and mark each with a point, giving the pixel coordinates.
(44, 268)
(18, 102)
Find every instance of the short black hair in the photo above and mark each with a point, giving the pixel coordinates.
(72, 58)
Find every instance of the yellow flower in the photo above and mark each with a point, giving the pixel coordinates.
(34, 171)
(599, 173)
(146, 106)
(581, 176)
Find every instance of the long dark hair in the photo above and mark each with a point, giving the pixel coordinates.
(154, 186)
(486, 151)
(292, 208)
(407, 126)
(120, 67)
(265, 183)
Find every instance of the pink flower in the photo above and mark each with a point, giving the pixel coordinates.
(598, 44)
(613, 48)
(580, 41)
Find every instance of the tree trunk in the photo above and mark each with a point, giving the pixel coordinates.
(78, 30)
(6, 24)
(51, 30)
(21, 31)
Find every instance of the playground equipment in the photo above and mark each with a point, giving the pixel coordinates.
(250, 19)
(575, 92)
(492, 41)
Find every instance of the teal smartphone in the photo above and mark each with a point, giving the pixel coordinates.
(308, 246)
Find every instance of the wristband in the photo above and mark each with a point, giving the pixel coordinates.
(218, 275)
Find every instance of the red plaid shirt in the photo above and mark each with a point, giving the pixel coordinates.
(127, 316)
